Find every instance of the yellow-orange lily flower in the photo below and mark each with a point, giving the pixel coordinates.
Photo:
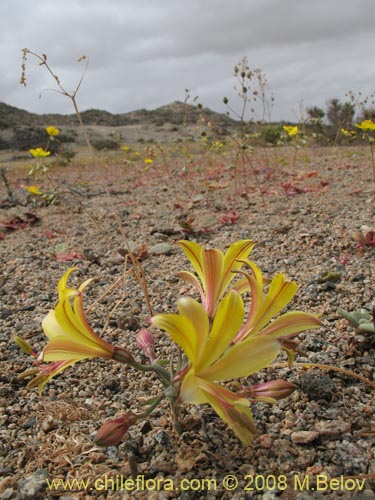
(221, 349)
(214, 269)
(70, 335)
(71, 338)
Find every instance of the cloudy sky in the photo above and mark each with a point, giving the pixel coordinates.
(145, 53)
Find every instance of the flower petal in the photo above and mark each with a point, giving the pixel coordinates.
(193, 252)
(290, 323)
(61, 348)
(213, 267)
(280, 293)
(227, 322)
(47, 372)
(234, 410)
(181, 330)
(243, 359)
(193, 310)
(190, 278)
(257, 299)
(232, 259)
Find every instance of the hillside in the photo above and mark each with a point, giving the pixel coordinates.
(175, 113)
(21, 130)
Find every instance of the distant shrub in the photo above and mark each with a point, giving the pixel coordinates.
(4, 143)
(100, 144)
(271, 134)
(68, 136)
(25, 138)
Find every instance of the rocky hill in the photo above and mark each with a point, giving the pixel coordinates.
(21, 130)
(176, 113)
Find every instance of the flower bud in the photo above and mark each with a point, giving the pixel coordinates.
(276, 389)
(25, 346)
(146, 342)
(122, 355)
(112, 431)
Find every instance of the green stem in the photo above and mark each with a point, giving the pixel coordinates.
(152, 406)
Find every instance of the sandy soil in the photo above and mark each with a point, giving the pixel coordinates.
(303, 220)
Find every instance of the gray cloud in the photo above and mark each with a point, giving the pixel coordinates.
(144, 54)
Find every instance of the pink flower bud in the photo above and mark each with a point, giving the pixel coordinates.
(112, 431)
(123, 356)
(276, 389)
(146, 342)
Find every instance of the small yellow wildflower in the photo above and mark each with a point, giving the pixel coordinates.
(291, 130)
(148, 161)
(39, 153)
(366, 125)
(33, 190)
(52, 131)
(125, 148)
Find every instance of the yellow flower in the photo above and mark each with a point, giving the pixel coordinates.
(39, 153)
(71, 338)
(148, 161)
(345, 132)
(33, 190)
(125, 148)
(291, 130)
(52, 131)
(225, 347)
(215, 270)
(366, 125)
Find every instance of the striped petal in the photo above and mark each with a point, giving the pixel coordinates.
(243, 359)
(227, 322)
(193, 310)
(280, 293)
(181, 330)
(231, 408)
(213, 267)
(61, 348)
(233, 259)
(290, 323)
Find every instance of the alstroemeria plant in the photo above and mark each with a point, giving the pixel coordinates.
(219, 340)
(228, 347)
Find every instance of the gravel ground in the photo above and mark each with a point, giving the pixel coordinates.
(304, 223)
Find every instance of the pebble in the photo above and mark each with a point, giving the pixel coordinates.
(160, 248)
(304, 437)
(265, 441)
(30, 487)
(7, 494)
(332, 428)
